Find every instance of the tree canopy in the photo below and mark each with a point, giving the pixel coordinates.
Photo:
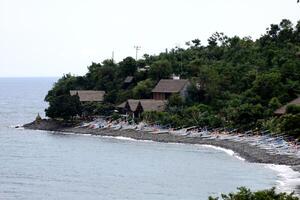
(240, 80)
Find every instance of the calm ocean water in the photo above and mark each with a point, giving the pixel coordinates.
(41, 165)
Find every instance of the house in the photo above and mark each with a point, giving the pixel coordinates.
(89, 95)
(135, 107)
(131, 107)
(166, 87)
(282, 110)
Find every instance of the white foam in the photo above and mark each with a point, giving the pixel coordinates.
(122, 138)
(288, 178)
(18, 126)
(125, 138)
(227, 151)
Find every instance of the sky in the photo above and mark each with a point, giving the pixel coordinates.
(55, 37)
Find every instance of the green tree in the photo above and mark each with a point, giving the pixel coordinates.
(175, 100)
(290, 124)
(63, 86)
(143, 90)
(128, 66)
(64, 106)
(293, 109)
(267, 85)
(246, 194)
(160, 69)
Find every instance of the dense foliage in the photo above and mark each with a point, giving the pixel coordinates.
(236, 82)
(246, 194)
(64, 106)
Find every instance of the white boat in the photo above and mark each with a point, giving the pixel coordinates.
(180, 132)
(160, 131)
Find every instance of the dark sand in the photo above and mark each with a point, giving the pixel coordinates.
(249, 152)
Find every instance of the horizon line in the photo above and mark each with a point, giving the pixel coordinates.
(30, 76)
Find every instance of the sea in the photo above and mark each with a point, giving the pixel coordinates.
(37, 165)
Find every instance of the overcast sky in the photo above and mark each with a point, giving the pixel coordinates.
(53, 37)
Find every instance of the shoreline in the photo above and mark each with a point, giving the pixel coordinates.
(249, 152)
(284, 165)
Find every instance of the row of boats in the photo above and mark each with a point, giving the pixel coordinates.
(263, 139)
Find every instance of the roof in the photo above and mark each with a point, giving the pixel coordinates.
(153, 105)
(133, 104)
(122, 105)
(282, 110)
(146, 104)
(170, 85)
(128, 79)
(89, 95)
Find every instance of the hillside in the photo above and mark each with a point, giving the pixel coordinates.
(236, 82)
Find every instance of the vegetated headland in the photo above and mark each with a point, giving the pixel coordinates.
(232, 86)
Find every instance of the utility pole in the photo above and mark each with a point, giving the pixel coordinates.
(137, 48)
(112, 56)
(179, 49)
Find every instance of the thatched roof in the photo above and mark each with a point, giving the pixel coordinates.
(145, 104)
(133, 104)
(122, 105)
(170, 85)
(130, 104)
(282, 110)
(89, 95)
(153, 105)
(128, 79)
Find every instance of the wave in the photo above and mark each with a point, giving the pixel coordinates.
(227, 151)
(17, 126)
(125, 138)
(289, 179)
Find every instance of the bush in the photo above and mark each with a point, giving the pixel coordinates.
(246, 194)
(290, 124)
(163, 118)
(272, 124)
(244, 115)
(200, 115)
(293, 109)
(175, 100)
(96, 108)
(115, 116)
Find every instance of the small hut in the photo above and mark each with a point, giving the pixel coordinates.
(135, 107)
(166, 87)
(131, 107)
